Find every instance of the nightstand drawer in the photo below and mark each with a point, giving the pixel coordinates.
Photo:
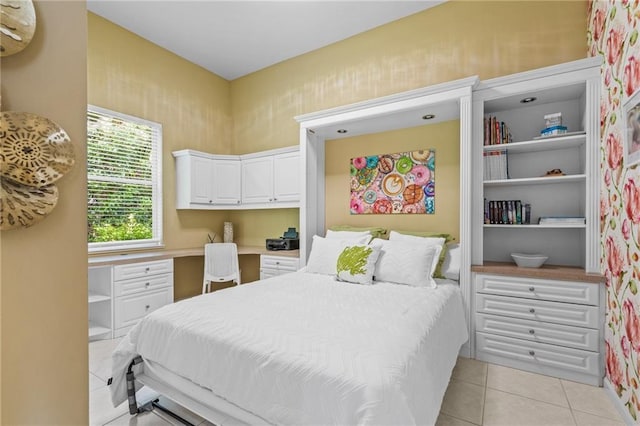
(138, 285)
(544, 358)
(279, 262)
(537, 331)
(142, 269)
(532, 288)
(538, 310)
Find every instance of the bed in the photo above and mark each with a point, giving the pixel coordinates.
(302, 348)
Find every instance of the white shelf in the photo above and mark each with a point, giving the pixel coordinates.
(538, 226)
(537, 180)
(96, 330)
(545, 144)
(95, 298)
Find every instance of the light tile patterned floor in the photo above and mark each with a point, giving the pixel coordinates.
(478, 394)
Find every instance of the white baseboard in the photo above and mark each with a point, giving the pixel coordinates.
(622, 410)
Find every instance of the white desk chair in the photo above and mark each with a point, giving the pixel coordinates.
(220, 264)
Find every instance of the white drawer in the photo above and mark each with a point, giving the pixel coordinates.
(130, 309)
(559, 291)
(144, 284)
(142, 269)
(539, 310)
(540, 355)
(281, 263)
(537, 331)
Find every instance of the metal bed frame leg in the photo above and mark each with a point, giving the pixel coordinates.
(133, 403)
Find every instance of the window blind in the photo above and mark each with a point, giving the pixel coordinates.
(124, 178)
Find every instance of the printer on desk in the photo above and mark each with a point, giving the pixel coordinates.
(289, 241)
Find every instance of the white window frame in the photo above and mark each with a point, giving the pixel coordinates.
(156, 169)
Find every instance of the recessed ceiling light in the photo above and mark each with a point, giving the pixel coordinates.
(342, 130)
(528, 99)
(428, 116)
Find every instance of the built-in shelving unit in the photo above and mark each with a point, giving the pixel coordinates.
(546, 320)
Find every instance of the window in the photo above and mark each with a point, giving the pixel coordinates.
(124, 181)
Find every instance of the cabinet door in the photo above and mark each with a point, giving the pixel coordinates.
(201, 180)
(257, 180)
(226, 181)
(286, 177)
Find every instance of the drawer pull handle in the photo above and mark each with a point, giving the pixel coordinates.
(147, 269)
(146, 284)
(147, 307)
(532, 353)
(532, 310)
(532, 289)
(532, 331)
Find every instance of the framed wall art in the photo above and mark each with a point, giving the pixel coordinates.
(400, 183)
(631, 135)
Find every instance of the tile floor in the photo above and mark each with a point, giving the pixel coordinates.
(478, 394)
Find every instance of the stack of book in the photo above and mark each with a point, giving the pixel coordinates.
(495, 162)
(506, 212)
(561, 220)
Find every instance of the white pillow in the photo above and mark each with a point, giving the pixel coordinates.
(361, 237)
(451, 265)
(428, 241)
(357, 263)
(324, 255)
(406, 263)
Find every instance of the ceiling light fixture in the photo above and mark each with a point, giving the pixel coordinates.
(528, 100)
(428, 116)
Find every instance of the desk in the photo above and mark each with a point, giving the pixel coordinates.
(122, 259)
(125, 287)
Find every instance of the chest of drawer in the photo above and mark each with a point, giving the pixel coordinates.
(542, 358)
(537, 331)
(540, 289)
(281, 263)
(130, 309)
(143, 284)
(538, 310)
(142, 269)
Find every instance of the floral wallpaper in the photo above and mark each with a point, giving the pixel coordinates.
(613, 34)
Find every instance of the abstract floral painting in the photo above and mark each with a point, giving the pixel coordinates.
(403, 182)
(613, 35)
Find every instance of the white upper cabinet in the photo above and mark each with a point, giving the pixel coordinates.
(204, 181)
(271, 178)
(268, 179)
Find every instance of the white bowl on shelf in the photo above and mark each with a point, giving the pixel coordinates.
(529, 260)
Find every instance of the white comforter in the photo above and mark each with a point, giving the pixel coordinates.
(305, 349)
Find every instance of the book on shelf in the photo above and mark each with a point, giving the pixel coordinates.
(496, 165)
(496, 132)
(562, 220)
(506, 212)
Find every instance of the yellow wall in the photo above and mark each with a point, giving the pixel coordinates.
(43, 273)
(131, 75)
(444, 138)
(454, 40)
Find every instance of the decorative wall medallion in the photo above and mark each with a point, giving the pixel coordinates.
(23, 206)
(17, 25)
(34, 150)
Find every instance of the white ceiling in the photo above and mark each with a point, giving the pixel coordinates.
(236, 38)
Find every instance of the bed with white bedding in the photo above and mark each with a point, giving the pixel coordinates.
(302, 348)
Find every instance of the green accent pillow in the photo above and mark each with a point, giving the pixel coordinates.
(357, 263)
(376, 232)
(430, 234)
